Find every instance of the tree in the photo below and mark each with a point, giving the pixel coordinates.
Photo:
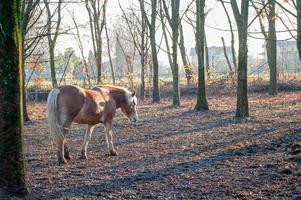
(97, 14)
(144, 46)
(129, 56)
(226, 55)
(52, 36)
(109, 52)
(271, 41)
(174, 22)
(232, 35)
(152, 34)
(187, 66)
(298, 7)
(175, 6)
(27, 11)
(207, 55)
(12, 171)
(163, 16)
(200, 42)
(241, 18)
(139, 33)
(81, 48)
(67, 56)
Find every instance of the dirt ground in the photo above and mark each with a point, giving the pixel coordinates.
(177, 153)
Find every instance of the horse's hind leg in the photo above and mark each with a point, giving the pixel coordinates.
(66, 125)
(87, 140)
(109, 137)
(66, 153)
(63, 151)
(60, 150)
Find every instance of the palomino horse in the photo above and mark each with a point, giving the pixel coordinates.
(67, 104)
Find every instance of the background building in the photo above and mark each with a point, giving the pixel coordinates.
(287, 56)
(217, 58)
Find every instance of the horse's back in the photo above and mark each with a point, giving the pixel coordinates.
(86, 106)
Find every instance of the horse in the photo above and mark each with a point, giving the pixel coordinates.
(70, 103)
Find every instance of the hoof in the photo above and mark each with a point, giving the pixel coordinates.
(62, 161)
(113, 153)
(84, 155)
(68, 157)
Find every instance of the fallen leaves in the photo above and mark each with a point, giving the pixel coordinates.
(177, 153)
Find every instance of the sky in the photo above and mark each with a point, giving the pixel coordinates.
(215, 20)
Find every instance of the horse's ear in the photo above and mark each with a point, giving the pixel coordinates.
(133, 93)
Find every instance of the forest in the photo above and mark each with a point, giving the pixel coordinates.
(150, 99)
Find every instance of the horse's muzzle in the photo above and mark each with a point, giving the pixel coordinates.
(134, 119)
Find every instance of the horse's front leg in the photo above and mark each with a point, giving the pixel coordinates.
(109, 137)
(87, 140)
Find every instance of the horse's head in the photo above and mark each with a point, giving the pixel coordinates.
(130, 108)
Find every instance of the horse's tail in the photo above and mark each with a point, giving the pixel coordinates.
(56, 129)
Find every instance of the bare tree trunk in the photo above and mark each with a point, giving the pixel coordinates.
(24, 103)
(25, 113)
(138, 28)
(150, 78)
(206, 53)
(272, 49)
(65, 68)
(226, 56)
(129, 63)
(242, 105)
(152, 35)
(164, 30)
(299, 27)
(175, 6)
(156, 90)
(143, 55)
(109, 52)
(271, 44)
(200, 37)
(167, 46)
(232, 37)
(173, 58)
(142, 61)
(187, 68)
(98, 58)
(52, 65)
(52, 41)
(97, 14)
(12, 156)
(81, 48)
(26, 10)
